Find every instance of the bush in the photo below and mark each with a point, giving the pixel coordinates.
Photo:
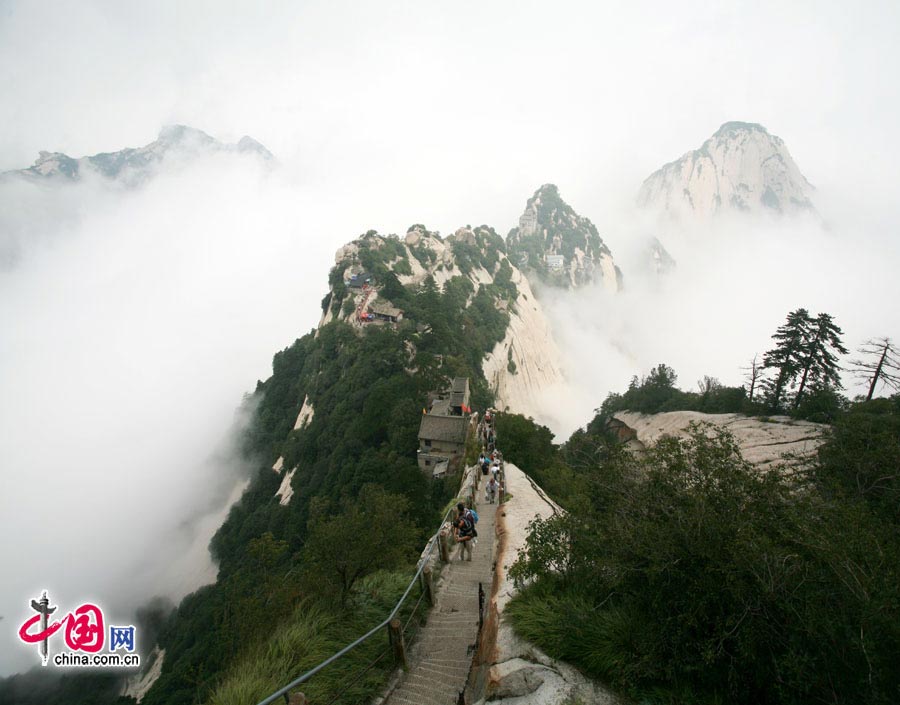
(692, 571)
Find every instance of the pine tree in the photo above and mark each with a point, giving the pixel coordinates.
(807, 348)
(787, 357)
(819, 363)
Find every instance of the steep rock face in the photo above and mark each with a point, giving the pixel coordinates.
(742, 168)
(763, 443)
(559, 246)
(525, 362)
(132, 166)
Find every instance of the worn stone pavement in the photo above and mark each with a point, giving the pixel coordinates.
(440, 657)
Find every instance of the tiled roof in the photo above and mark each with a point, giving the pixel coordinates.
(451, 429)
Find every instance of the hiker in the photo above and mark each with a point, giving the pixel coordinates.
(485, 465)
(490, 492)
(465, 531)
(495, 471)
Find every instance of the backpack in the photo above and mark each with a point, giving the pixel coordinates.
(474, 515)
(469, 526)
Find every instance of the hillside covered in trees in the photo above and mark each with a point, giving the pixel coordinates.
(315, 572)
(686, 574)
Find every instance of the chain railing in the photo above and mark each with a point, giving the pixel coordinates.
(396, 631)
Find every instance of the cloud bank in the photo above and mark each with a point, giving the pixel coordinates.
(735, 281)
(133, 323)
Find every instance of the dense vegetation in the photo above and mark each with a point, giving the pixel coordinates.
(296, 582)
(357, 473)
(689, 576)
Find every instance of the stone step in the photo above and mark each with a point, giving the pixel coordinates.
(441, 651)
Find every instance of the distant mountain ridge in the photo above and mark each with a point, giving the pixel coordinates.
(741, 168)
(134, 165)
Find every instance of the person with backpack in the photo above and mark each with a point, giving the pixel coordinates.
(465, 531)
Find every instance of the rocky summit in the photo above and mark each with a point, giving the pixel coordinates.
(741, 168)
(559, 247)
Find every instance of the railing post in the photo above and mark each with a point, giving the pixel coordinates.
(395, 633)
(480, 606)
(444, 545)
(428, 585)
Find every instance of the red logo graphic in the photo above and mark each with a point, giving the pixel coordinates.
(84, 627)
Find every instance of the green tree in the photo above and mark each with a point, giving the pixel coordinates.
(862, 458)
(371, 533)
(786, 358)
(819, 363)
(692, 576)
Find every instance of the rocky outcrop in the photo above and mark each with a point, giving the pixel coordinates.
(137, 686)
(306, 414)
(765, 442)
(522, 366)
(741, 168)
(286, 490)
(132, 166)
(560, 247)
(519, 673)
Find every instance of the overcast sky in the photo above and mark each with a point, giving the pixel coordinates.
(135, 322)
(455, 112)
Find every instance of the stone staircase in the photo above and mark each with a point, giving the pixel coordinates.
(440, 658)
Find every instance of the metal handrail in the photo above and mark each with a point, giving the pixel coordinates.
(432, 542)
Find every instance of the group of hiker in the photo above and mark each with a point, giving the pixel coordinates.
(490, 463)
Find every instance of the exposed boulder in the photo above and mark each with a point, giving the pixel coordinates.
(764, 441)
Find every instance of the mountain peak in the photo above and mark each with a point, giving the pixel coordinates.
(248, 144)
(180, 134)
(559, 246)
(737, 126)
(742, 167)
